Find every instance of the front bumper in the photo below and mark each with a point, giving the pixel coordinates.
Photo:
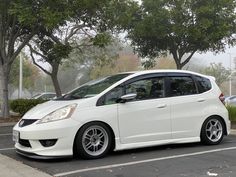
(36, 156)
(63, 131)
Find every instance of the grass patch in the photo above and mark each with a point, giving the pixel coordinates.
(232, 113)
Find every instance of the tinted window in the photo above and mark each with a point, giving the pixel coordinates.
(204, 84)
(182, 85)
(150, 88)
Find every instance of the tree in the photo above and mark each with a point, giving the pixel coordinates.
(182, 28)
(124, 62)
(218, 71)
(91, 25)
(20, 20)
(52, 53)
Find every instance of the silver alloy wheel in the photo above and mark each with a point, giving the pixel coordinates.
(95, 140)
(214, 130)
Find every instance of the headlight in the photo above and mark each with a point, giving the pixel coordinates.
(59, 114)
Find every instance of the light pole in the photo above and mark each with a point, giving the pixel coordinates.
(230, 75)
(20, 76)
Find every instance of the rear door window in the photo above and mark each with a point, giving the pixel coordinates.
(182, 85)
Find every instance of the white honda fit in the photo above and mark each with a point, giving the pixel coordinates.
(125, 111)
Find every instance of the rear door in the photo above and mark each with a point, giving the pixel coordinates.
(186, 106)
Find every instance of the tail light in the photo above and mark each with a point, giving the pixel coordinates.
(222, 98)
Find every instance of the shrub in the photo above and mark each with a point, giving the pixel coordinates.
(21, 106)
(232, 112)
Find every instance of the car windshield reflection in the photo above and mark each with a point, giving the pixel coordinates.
(92, 88)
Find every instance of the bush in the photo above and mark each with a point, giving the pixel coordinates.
(21, 106)
(232, 112)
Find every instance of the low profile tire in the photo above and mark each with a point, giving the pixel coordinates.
(212, 132)
(94, 140)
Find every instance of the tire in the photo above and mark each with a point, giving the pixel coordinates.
(212, 131)
(94, 140)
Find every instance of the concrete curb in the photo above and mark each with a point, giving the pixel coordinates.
(233, 132)
(13, 168)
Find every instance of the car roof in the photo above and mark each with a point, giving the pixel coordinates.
(167, 71)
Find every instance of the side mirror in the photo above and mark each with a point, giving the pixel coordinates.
(126, 97)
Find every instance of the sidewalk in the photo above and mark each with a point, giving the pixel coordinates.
(12, 168)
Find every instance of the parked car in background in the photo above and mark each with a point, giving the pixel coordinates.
(230, 100)
(45, 96)
(125, 111)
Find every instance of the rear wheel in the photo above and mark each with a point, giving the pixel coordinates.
(212, 131)
(93, 140)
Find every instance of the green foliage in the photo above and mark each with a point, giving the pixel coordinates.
(183, 27)
(53, 52)
(232, 112)
(101, 40)
(23, 105)
(44, 14)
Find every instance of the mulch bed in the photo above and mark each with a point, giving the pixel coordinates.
(233, 124)
(10, 119)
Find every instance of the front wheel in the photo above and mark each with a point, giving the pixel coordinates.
(93, 141)
(212, 131)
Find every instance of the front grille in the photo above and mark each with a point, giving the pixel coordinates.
(25, 143)
(25, 122)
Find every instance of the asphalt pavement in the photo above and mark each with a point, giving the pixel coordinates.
(183, 160)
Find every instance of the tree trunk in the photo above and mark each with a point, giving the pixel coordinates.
(178, 64)
(4, 80)
(177, 59)
(56, 84)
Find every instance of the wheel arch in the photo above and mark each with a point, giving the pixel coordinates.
(218, 116)
(96, 121)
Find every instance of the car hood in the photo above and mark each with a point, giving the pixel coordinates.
(41, 110)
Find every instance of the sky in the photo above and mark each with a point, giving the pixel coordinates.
(223, 58)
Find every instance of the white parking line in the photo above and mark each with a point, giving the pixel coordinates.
(6, 134)
(142, 161)
(6, 149)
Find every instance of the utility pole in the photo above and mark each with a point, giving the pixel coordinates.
(20, 76)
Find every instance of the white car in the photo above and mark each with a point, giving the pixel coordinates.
(125, 111)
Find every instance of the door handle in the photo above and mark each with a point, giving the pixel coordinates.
(201, 100)
(161, 106)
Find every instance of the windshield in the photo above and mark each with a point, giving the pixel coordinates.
(94, 87)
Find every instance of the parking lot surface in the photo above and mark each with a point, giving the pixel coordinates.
(183, 160)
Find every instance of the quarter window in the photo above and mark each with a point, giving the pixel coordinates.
(112, 96)
(182, 85)
(204, 84)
